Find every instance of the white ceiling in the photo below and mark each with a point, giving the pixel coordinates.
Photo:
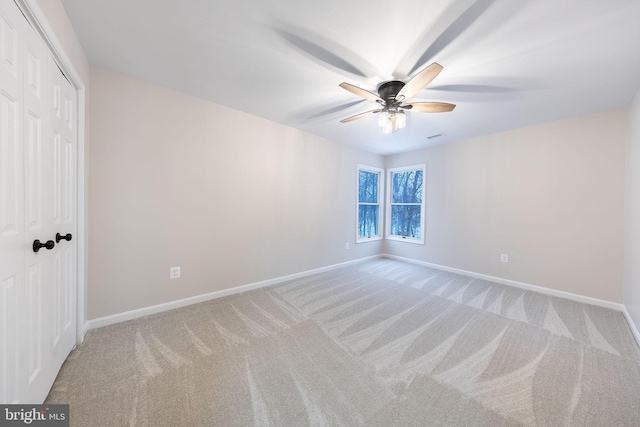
(507, 63)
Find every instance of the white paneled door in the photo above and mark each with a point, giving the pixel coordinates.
(38, 207)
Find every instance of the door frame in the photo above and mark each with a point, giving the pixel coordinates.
(36, 17)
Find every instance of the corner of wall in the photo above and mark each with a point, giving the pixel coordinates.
(631, 266)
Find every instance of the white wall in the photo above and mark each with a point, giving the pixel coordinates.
(550, 196)
(631, 297)
(230, 198)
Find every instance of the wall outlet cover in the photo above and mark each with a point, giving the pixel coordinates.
(174, 273)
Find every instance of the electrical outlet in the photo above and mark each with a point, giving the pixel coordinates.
(504, 257)
(346, 245)
(174, 273)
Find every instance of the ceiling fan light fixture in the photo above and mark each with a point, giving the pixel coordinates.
(401, 120)
(391, 121)
(383, 118)
(388, 125)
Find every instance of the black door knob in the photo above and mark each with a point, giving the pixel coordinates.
(48, 245)
(66, 237)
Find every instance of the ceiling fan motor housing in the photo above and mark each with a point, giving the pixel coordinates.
(389, 90)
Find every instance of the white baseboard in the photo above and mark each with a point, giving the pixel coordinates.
(632, 325)
(526, 286)
(141, 312)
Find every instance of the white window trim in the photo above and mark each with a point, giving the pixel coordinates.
(387, 227)
(380, 203)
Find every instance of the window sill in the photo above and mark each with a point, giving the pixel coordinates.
(406, 240)
(368, 239)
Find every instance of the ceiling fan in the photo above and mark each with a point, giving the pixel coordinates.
(392, 96)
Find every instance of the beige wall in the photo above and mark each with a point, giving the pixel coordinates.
(550, 196)
(230, 198)
(631, 296)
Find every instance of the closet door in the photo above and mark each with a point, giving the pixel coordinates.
(63, 162)
(36, 313)
(12, 238)
(37, 201)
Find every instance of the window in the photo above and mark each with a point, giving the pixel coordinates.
(405, 207)
(369, 193)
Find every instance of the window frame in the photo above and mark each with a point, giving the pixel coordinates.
(380, 204)
(388, 206)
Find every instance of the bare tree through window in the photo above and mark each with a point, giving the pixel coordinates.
(368, 203)
(406, 203)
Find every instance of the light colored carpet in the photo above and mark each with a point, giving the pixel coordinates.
(381, 343)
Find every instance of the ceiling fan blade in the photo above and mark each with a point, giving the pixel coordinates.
(359, 116)
(361, 92)
(431, 107)
(419, 81)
